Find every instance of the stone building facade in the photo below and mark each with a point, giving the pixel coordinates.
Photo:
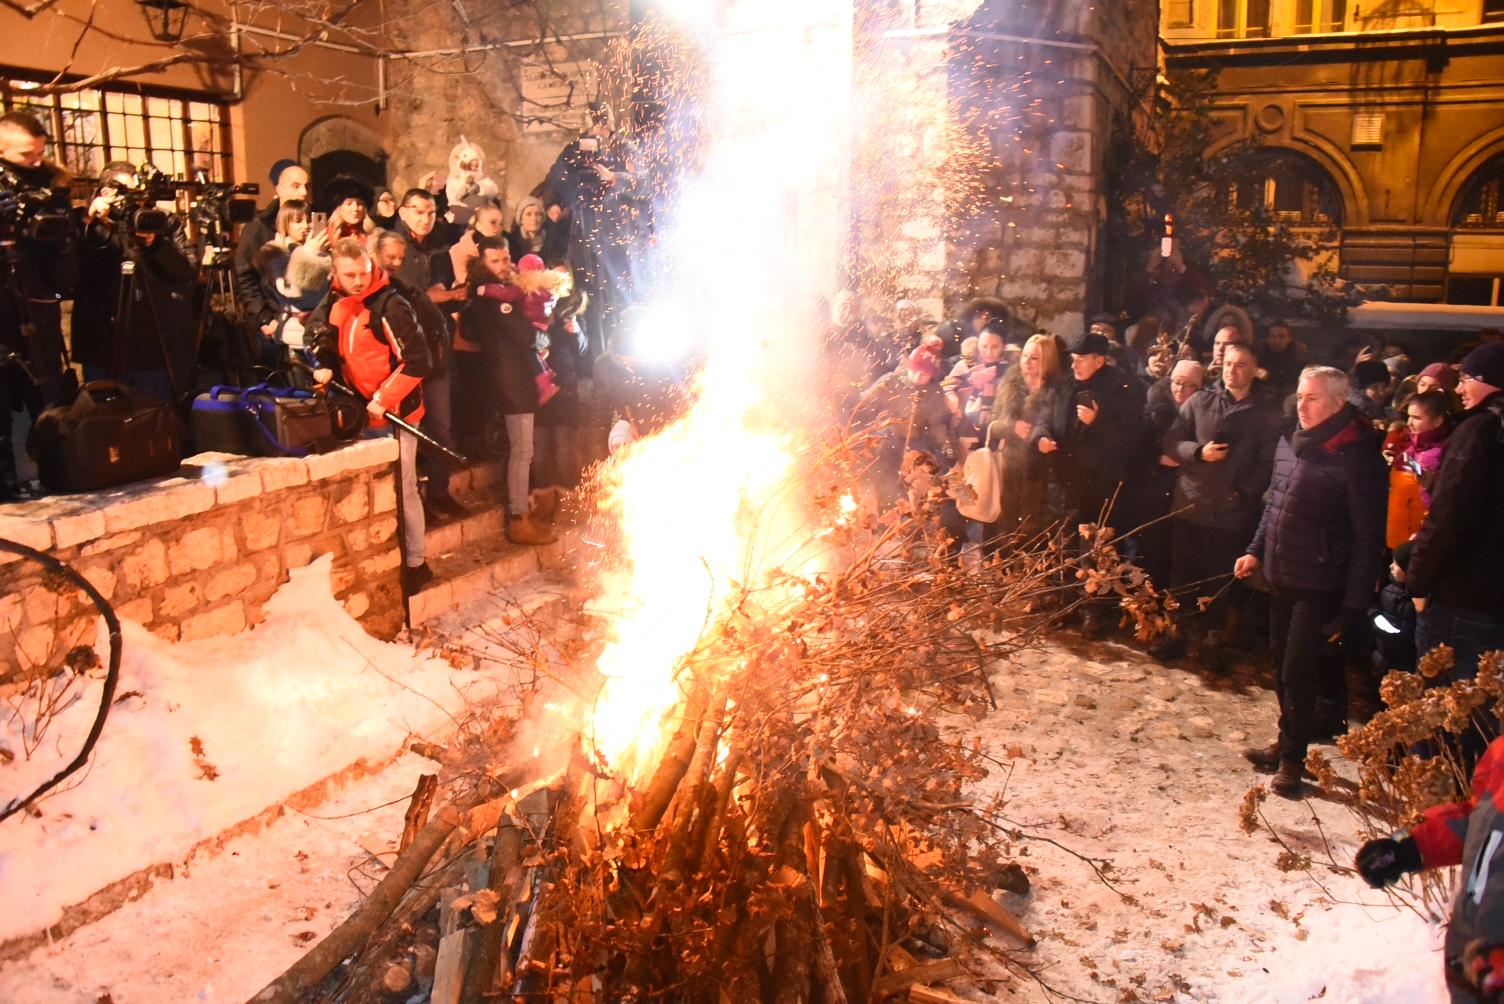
(1383, 120)
(995, 184)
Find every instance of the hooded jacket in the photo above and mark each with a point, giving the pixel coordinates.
(375, 340)
(1323, 527)
(1459, 549)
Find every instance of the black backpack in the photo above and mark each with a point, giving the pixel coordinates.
(431, 320)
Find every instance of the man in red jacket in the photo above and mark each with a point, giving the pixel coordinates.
(373, 336)
(1470, 834)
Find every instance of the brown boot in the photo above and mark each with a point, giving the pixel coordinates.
(1287, 783)
(1265, 759)
(522, 530)
(545, 505)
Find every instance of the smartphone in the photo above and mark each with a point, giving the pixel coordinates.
(318, 222)
(1085, 399)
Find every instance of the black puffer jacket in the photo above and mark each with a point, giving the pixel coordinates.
(1459, 551)
(1323, 526)
(1229, 493)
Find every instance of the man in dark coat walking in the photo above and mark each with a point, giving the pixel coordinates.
(1321, 546)
(1458, 552)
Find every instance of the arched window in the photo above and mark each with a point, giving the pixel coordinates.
(1480, 206)
(1293, 188)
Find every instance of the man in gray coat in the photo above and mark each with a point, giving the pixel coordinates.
(1223, 441)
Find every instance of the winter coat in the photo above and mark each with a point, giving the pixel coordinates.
(921, 420)
(975, 387)
(567, 362)
(1323, 527)
(427, 263)
(1094, 458)
(249, 289)
(493, 319)
(1409, 491)
(1028, 475)
(1459, 551)
(373, 339)
(1469, 833)
(1227, 494)
(163, 303)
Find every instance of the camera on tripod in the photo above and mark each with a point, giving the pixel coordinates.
(218, 208)
(31, 213)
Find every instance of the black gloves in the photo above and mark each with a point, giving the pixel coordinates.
(1385, 861)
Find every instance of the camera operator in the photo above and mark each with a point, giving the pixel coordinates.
(291, 182)
(39, 237)
(154, 350)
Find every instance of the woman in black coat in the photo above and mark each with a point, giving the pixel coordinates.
(556, 456)
(1320, 544)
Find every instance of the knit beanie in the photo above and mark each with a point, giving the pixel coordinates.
(1486, 364)
(1369, 372)
(281, 166)
(1443, 374)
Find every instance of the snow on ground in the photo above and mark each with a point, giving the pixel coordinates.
(208, 733)
(1121, 759)
(1113, 756)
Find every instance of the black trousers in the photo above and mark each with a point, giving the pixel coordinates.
(1201, 565)
(1298, 620)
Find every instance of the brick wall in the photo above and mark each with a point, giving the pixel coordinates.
(198, 554)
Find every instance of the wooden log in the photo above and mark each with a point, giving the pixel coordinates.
(305, 974)
(920, 973)
(990, 910)
(417, 809)
(930, 995)
(535, 970)
(484, 975)
(671, 768)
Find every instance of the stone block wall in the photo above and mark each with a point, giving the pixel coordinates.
(199, 553)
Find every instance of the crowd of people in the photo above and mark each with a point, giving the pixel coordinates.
(1277, 492)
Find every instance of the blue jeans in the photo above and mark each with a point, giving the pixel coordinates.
(1470, 634)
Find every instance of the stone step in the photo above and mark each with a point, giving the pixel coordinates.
(480, 568)
(485, 525)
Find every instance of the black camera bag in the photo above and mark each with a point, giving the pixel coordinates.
(287, 422)
(110, 434)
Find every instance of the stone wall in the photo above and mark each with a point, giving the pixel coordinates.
(198, 554)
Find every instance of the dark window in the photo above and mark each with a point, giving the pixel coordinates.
(1242, 18)
(1320, 16)
(1480, 205)
(1289, 187)
(1493, 10)
(178, 133)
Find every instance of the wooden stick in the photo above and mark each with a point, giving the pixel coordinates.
(991, 911)
(484, 973)
(305, 974)
(417, 809)
(924, 972)
(671, 768)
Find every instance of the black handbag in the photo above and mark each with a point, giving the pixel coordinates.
(109, 434)
(287, 422)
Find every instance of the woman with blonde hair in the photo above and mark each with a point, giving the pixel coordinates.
(1038, 387)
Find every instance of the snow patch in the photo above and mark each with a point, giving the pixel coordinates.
(274, 709)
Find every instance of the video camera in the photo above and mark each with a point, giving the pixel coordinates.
(31, 213)
(214, 207)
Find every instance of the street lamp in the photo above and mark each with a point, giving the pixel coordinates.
(165, 18)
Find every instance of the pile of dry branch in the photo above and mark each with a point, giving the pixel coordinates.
(808, 831)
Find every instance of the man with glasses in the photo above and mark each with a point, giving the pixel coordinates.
(1458, 553)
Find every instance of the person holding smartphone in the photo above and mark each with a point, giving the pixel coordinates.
(1095, 441)
(1224, 440)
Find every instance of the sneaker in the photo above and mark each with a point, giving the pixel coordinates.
(522, 530)
(1287, 782)
(415, 577)
(1265, 759)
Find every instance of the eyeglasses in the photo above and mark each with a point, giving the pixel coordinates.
(1185, 383)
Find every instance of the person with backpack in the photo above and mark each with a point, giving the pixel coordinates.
(367, 331)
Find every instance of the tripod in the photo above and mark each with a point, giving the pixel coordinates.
(129, 294)
(223, 317)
